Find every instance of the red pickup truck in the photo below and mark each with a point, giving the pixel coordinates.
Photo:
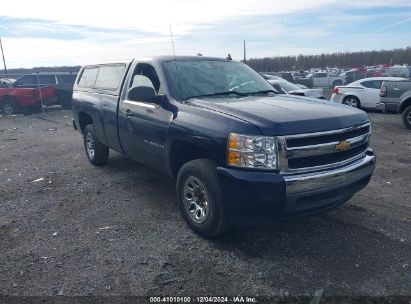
(13, 100)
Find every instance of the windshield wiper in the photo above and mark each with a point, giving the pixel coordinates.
(263, 92)
(218, 94)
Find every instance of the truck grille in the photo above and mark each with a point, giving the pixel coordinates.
(320, 150)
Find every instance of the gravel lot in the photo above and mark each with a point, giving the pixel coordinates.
(81, 230)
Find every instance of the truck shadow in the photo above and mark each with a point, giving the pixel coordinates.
(338, 241)
(322, 251)
(337, 250)
(338, 244)
(119, 163)
(308, 228)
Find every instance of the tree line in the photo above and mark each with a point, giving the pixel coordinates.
(22, 71)
(341, 60)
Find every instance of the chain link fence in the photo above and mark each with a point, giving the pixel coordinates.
(28, 93)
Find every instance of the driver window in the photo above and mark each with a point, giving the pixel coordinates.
(145, 76)
(141, 81)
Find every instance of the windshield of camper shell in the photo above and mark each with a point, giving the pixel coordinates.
(191, 78)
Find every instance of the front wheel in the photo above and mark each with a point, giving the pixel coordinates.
(200, 198)
(406, 117)
(9, 107)
(96, 152)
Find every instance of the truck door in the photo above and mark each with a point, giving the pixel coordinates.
(143, 126)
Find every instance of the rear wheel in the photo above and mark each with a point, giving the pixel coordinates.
(9, 106)
(352, 101)
(200, 199)
(406, 117)
(96, 152)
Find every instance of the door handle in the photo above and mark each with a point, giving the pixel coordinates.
(129, 113)
(396, 88)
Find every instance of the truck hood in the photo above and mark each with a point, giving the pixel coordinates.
(285, 114)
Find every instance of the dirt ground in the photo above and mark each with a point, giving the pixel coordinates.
(68, 228)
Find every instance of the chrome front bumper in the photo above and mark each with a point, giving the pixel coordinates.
(335, 178)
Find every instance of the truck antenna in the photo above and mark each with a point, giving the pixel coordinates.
(172, 42)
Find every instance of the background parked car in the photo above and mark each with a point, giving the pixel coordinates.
(353, 75)
(321, 79)
(396, 97)
(6, 82)
(398, 71)
(287, 87)
(285, 75)
(14, 100)
(364, 93)
(62, 82)
(307, 82)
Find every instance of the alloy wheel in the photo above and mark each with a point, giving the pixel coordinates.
(196, 200)
(90, 145)
(352, 102)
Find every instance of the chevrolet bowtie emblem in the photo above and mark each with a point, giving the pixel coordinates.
(342, 146)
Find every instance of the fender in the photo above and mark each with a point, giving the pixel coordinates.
(351, 90)
(405, 98)
(203, 130)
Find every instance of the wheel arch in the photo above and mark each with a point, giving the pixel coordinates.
(348, 95)
(7, 97)
(84, 120)
(182, 151)
(405, 104)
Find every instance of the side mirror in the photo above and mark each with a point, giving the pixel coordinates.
(144, 94)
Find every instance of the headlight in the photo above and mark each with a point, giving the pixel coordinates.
(252, 151)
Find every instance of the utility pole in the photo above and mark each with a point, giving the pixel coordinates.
(4, 60)
(245, 57)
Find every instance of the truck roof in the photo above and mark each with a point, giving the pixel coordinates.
(159, 59)
(187, 58)
(54, 73)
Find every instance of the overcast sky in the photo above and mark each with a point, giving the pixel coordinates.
(49, 33)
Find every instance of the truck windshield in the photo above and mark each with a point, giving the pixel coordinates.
(194, 78)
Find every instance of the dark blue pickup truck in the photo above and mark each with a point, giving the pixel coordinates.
(239, 151)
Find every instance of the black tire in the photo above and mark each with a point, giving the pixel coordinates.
(349, 101)
(204, 172)
(9, 106)
(406, 117)
(96, 152)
